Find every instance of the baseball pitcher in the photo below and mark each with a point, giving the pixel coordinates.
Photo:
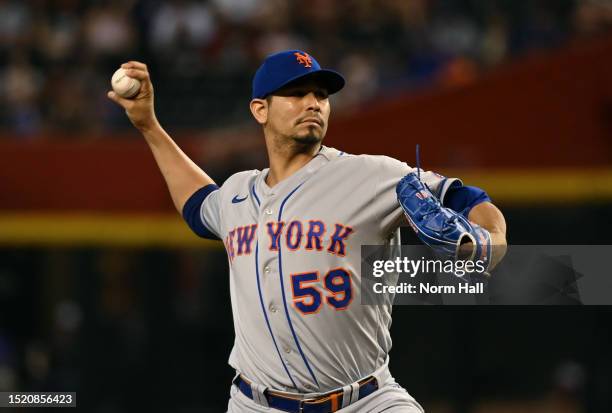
(293, 233)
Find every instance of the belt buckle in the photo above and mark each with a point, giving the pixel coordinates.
(306, 401)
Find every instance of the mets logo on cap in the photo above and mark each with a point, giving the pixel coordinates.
(303, 59)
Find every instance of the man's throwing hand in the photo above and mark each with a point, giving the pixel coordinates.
(139, 108)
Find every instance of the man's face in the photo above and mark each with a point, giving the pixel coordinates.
(300, 112)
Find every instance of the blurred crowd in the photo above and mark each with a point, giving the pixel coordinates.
(57, 56)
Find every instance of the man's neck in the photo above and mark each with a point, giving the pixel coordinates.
(286, 160)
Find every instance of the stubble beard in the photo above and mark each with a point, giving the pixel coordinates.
(307, 140)
(310, 139)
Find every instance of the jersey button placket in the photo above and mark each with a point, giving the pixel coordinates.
(269, 270)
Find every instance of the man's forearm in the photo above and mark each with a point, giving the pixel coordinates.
(182, 175)
(490, 218)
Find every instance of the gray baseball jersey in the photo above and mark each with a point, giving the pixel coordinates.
(294, 259)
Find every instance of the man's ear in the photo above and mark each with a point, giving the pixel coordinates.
(259, 109)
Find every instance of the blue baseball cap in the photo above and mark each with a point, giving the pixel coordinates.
(282, 68)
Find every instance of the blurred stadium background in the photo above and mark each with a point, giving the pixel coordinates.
(105, 292)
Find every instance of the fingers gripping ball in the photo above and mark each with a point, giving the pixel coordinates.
(441, 228)
(123, 85)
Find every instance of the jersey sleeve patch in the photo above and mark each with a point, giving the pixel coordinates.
(191, 212)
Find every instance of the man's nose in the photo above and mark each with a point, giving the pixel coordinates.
(312, 102)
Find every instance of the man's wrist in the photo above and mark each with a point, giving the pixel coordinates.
(152, 131)
(148, 127)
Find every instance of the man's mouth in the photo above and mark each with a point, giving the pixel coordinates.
(316, 121)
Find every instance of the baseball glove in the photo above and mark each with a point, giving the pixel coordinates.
(448, 233)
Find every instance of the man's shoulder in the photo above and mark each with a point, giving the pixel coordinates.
(369, 161)
(239, 180)
(243, 176)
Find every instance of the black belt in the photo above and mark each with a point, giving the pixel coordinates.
(327, 403)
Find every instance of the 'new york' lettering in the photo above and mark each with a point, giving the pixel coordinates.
(296, 235)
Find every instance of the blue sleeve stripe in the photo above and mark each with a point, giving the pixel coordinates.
(462, 199)
(191, 212)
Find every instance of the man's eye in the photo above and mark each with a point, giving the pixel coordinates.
(320, 94)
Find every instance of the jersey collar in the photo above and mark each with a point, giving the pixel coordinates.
(324, 156)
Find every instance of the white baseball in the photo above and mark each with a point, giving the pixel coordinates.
(123, 85)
